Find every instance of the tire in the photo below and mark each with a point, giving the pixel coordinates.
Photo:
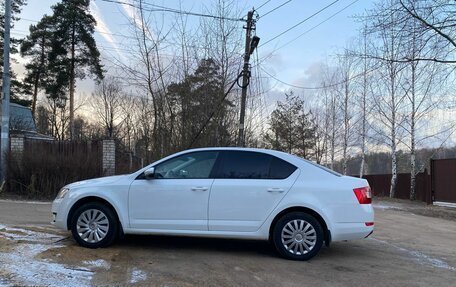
(298, 236)
(94, 225)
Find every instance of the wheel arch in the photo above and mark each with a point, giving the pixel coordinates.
(88, 199)
(318, 217)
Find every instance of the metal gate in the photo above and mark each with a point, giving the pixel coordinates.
(443, 181)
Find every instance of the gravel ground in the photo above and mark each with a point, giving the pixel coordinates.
(406, 249)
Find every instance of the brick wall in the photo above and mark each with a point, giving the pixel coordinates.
(109, 157)
(17, 146)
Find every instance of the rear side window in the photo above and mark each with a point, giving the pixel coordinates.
(253, 165)
(238, 164)
(280, 169)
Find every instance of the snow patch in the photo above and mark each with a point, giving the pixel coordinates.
(99, 263)
(15, 233)
(25, 269)
(386, 206)
(137, 275)
(419, 257)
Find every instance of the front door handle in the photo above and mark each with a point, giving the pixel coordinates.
(199, 188)
(276, 189)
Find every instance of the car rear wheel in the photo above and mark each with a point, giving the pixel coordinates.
(298, 236)
(94, 225)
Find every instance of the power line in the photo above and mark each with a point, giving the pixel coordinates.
(309, 30)
(269, 12)
(319, 24)
(320, 87)
(263, 4)
(20, 32)
(305, 20)
(172, 10)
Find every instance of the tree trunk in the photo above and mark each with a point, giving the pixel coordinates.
(72, 80)
(35, 94)
(346, 127)
(364, 113)
(393, 148)
(333, 130)
(412, 137)
(393, 132)
(393, 173)
(36, 83)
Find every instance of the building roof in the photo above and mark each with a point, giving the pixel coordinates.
(21, 119)
(22, 122)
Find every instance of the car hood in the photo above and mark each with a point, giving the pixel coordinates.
(96, 181)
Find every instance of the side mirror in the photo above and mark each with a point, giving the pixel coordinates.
(149, 173)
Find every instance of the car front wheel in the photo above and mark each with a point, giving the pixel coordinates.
(94, 225)
(298, 236)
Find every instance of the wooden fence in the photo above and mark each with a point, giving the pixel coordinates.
(380, 185)
(38, 169)
(439, 186)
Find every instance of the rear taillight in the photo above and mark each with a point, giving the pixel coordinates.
(363, 194)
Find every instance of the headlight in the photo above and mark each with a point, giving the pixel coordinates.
(62, 193)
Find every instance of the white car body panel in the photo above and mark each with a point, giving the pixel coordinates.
(178, 204)
(244, 205)
(231, 208)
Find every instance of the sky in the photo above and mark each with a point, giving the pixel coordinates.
(292, 63)
(297, 54)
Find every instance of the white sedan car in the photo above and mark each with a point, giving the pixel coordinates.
(221, 192)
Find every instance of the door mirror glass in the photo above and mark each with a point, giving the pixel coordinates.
(149, 173)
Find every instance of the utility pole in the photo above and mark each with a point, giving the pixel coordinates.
(246, 74)
(6, 94)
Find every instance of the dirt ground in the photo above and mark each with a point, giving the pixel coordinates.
(406, 249)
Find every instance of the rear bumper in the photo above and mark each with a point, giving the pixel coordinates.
(350, 231)
(369, 234)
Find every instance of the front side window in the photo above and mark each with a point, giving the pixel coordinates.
(191, 165)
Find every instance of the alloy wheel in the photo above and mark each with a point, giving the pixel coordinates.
(92, 226)
(298, 237)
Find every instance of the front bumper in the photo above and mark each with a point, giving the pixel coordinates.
(59, 216)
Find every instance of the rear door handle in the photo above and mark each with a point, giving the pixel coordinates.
(199, 188)
(276, 189)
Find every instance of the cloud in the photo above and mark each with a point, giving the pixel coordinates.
(131, 13)
(104, 30)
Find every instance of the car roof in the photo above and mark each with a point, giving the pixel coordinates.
(295, 160)
(262, 150)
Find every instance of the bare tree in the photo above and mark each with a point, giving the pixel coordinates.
(364, 104)
(389, 99)
(346, 68)
(434, 21)
(107, 103)
(422, 85)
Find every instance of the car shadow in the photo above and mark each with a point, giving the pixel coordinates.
(210, 245)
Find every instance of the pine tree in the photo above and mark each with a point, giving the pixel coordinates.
(292, 128)
(37, 47)
(193, 101)
(16, 6)
(74, 52)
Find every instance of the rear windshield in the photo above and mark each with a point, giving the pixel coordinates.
(319, 166)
